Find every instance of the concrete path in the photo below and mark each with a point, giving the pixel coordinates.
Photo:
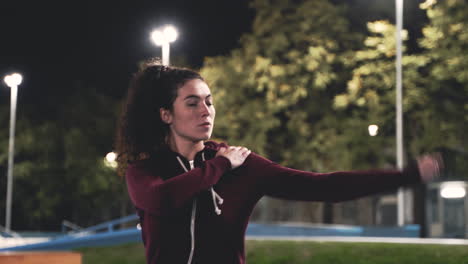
(401, 240)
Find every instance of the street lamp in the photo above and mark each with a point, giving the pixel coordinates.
(163, 37)
(12, 81)
(399, 110)
(373, 130)
(111, 160)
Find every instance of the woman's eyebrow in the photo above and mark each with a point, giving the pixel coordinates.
(192, 96)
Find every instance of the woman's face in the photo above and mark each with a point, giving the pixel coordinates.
(193, 113)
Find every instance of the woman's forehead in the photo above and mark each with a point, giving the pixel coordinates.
(195, 87)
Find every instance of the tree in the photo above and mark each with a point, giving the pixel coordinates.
(59, 171)
(275, 93)
(370, 94)
(434, 82)
(444, 41)
(302, 89)
(275, 90)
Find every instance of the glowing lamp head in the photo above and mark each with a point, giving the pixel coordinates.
(111, 156)
(170, 33)
(165, 35)
(158, 37)
(13, 80)
(111, 160)
(373, 130)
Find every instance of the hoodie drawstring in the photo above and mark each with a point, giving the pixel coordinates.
(216, 200)
(192, 218)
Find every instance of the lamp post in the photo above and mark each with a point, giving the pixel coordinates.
(399, 109)
(163, 37)
(12, 81)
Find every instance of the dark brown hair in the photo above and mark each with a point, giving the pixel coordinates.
(141, 131)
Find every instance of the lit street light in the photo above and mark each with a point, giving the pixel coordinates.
(373, 129)
(163, 37)
(111, 160)
(12, 81)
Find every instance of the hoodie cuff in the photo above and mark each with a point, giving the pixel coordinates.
(223, 162)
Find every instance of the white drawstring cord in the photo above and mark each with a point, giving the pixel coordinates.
(182, 164)
(220, 199)
(213, 194)
(192, 218)
(216, 199)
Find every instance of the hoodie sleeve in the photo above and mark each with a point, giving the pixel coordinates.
(281, 182)
(151, 193)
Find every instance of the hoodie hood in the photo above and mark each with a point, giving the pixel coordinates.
(165, 160)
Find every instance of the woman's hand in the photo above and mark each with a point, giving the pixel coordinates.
(429, 166)
(236, 155)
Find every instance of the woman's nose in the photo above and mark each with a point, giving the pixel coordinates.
(205, 109)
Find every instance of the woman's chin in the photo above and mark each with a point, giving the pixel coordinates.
(207, 137)
(202, 137)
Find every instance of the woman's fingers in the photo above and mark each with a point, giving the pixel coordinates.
(430, 166)
(245, 152)
(235, 154)
(221, 151)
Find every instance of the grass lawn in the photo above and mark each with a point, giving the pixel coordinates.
(292, 252)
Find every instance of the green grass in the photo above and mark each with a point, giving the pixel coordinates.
(291, 252)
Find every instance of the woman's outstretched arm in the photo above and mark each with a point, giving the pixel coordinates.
(286, 183)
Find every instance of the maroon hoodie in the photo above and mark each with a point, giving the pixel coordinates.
(164, 195)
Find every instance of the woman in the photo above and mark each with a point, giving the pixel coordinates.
(193, 196)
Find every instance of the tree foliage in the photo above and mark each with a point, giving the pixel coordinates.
(444, 41)
(434, 87)
(274, 94)
(302, 89)
(371, 92)
(59, 173)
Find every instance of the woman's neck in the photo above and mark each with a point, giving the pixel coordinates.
(186, 148)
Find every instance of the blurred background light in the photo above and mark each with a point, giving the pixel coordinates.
(453, 190)
(373, 130)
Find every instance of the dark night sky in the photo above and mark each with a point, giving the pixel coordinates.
(53, 43)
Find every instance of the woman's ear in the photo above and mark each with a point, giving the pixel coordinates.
(166, 115)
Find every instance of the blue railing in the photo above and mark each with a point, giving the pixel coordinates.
(109, 226)
(89, 237)
(9, 233)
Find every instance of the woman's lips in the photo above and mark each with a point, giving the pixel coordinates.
(206, 124)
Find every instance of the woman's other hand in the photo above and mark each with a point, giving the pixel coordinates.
(236, 155)
(429, 166)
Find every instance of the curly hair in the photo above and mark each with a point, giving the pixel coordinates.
(141, 131)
